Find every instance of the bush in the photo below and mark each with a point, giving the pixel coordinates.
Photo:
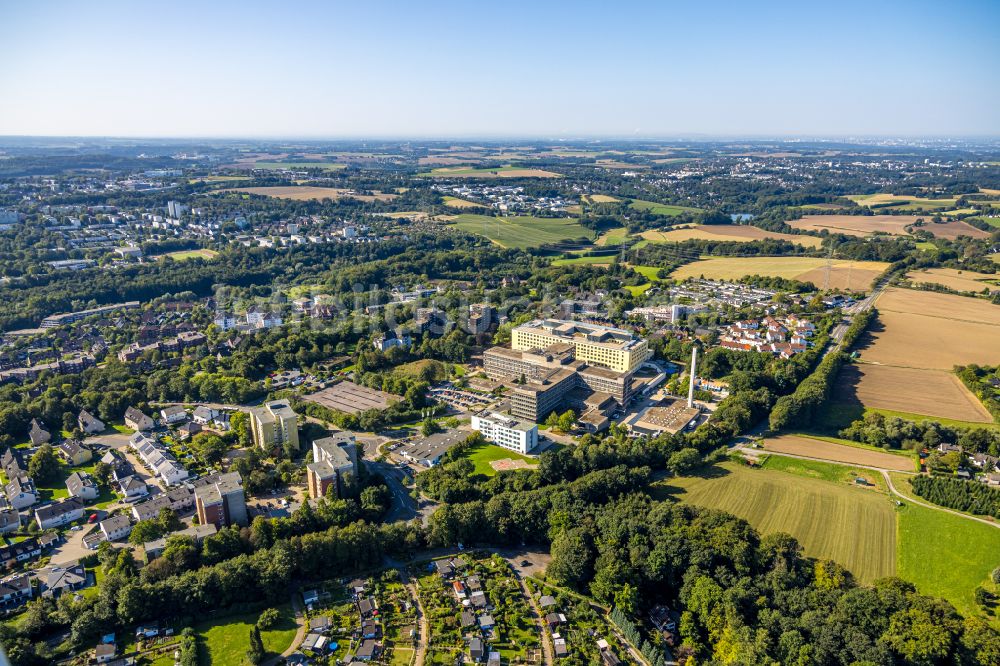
(268, 618)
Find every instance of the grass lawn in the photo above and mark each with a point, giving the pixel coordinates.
(926, 246)
(661, 209)
(184, 255)
(943, 421)
(225, 642)
(945, 555)
(638, 289)
(853, 526)
(648, 272)
(483, 454)
(613, 237)
(576, 261)
(523, 231)
(814, 469)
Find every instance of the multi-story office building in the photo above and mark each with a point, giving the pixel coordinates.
(274, 424)
(608, 347)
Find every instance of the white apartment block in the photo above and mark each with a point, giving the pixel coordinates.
(507, 432)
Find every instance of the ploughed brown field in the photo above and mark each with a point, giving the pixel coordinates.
(863, 225)
(953, 278)
(800, 445)
(841, 274)
(305, 193)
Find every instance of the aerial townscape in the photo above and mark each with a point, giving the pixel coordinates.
(382, 388)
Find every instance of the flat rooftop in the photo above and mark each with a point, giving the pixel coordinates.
(670, 417)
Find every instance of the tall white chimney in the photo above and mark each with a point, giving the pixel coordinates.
(694, 364)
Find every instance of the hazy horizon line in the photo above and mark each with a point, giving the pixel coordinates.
(686, 136)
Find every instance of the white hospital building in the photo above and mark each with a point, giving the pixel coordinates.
(507, 432)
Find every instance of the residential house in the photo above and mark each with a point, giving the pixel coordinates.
(179, 500)
(173, 414)
(21, 492)
(89, 423)
(60, 580)
(368, 650)
(82, 485)
(116, 527)
(59, 513)
(156, 547)
(13, 463)
(75, 452)
(188, 430)
(559, 647)
(132, 487)
(367, 607)
(554, 620)
(320, 624)
(22, 551)
(204, 415)
(15, 591)
(10, 520)
(477, 649)
(137, 420)
(315, 644)
(105, 652)
(38, 433)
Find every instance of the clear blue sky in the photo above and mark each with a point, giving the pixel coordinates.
(554, 69)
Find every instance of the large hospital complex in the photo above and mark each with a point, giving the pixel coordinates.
(553, 364)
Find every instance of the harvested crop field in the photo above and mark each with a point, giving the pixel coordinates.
(853, 275)
(599, 198)
(307, 193)
(800, 445)
(956, 279)
(908, 355)
(901, 202)
(924, 329)
(896, 225)
(928, 392)
(499, 172)
(740, 233)
(852, 526)
(455, 202)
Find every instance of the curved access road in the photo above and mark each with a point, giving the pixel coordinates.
(885, 474)
(928, 505)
